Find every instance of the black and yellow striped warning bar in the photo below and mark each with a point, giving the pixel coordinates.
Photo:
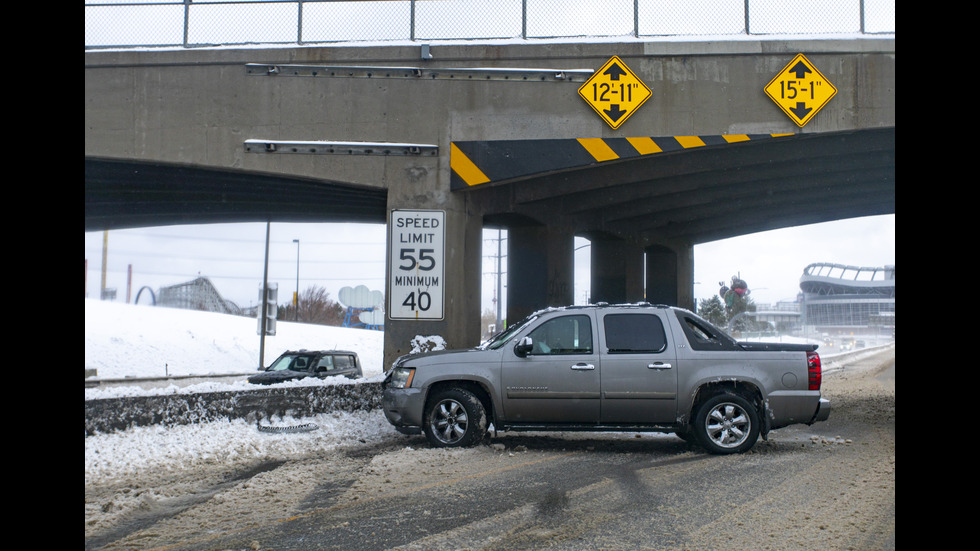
(482, 162)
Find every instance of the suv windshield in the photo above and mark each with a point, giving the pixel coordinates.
(292, 361)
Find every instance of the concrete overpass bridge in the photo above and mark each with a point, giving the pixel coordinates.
(493, 135)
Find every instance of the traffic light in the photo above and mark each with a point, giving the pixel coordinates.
(271, 308)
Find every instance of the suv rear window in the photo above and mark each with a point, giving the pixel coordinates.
(634, 333)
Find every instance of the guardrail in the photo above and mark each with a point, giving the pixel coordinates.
(836, 362)
(92, 380)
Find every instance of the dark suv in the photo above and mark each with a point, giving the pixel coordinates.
(299, 364)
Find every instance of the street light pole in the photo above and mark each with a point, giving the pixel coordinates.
(296, 295)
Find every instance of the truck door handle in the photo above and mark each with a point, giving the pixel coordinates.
(581, 367)
(658, 365)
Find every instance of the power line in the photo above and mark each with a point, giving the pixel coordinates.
(256, 241)
(116, 254)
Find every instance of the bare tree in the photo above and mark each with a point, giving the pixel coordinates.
(315, 306)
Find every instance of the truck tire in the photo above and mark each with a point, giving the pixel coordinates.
(454, 418)
(726, 423)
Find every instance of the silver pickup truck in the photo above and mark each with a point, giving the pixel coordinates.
(633, 367)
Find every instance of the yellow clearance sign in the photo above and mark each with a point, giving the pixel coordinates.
(800, 90)
(614, 92)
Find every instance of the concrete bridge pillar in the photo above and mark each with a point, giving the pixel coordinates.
(540, 265)
(670, 275)
(617, 270)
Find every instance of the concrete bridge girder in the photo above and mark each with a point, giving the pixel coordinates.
(198, 107)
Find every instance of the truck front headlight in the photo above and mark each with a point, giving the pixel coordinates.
(401, 377)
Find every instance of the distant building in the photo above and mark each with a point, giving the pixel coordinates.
(784, 316)
(839, 297)
(199, 294)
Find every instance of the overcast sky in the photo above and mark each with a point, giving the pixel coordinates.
(333, 256)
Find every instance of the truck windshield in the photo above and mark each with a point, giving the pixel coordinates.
(501, 338)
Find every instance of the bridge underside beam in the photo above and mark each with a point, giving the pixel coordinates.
(125, 194)
(717, 192)
(662, 204)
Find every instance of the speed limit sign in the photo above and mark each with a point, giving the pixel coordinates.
(416, 243)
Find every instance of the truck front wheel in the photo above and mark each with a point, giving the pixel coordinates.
(454, 418)
(726, 423)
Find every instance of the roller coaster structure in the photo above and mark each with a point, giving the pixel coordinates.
(198, 294)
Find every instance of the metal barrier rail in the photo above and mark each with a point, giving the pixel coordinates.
(200, 23)
(837, 362)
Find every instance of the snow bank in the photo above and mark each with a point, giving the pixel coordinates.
(125, 340)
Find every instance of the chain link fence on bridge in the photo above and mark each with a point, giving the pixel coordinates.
(202, 23)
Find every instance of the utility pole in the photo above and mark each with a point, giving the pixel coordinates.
(296, 295)
(105, 252)
(265, 299)
(498, 328)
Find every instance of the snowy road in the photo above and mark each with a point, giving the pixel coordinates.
(357, 484)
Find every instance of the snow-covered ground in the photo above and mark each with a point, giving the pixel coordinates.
(124, 340)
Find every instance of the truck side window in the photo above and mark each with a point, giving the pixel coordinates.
(564, 335)
(704, 336)
(634, 333)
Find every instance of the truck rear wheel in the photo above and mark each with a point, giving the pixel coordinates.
(454, 418)
(726, 423)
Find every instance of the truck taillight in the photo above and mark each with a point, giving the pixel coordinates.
(814, 372)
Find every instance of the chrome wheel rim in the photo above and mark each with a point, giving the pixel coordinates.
(727, 425)
(449, 421)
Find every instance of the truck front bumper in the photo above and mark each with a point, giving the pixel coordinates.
(403, 406)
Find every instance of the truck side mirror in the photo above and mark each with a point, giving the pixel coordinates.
(523, 347)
